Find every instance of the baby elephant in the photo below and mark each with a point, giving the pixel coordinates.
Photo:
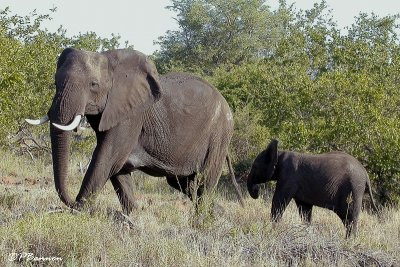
(335, 180)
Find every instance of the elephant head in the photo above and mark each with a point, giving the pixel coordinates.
(115, 84)
(263, 168)
(111, 87)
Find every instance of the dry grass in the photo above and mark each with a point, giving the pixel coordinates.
(166, 232)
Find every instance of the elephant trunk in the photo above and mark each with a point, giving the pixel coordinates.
(252, 188)
(60, 141)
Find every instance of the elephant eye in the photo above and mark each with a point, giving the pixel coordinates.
(94, 84)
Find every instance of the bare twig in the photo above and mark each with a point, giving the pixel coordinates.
(25, 142)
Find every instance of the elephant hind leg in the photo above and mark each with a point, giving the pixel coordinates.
(305, 210)
(350, 224)
(212, 168)
(349, 217)
(123, 186)
(184, 184)
(207, 181)
(179, 183)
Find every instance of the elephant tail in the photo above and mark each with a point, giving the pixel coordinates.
(234, 182)
(369, 188)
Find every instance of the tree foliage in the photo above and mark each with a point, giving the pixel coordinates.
(27, 66)
(214, 32)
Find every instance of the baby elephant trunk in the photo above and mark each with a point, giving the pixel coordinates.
(253, 188)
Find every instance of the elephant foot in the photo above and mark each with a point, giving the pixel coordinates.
(52, 210)
(120, 218)
(62, 210)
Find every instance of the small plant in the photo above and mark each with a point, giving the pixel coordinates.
(9, 200)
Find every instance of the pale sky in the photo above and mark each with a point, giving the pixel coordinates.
(143, 21)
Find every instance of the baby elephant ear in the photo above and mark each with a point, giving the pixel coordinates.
(136, 87)
(271, 156)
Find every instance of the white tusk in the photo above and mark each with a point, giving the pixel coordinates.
(38, 122)
(70, 127)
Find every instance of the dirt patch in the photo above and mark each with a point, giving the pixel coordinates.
(30, 182)
(8, 180)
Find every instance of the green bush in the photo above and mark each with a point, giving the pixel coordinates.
(27, 67)
(249, 138)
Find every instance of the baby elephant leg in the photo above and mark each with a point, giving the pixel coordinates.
(305, 210)
(279, 204)
(284, 192)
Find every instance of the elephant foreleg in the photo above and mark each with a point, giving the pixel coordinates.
(110, 155)
(123, 186)
(279, 205)
(305, 210)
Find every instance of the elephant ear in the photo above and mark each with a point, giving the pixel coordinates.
(271, 158)
(135, 88)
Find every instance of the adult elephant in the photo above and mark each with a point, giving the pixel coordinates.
(177, 125)
(335, 180)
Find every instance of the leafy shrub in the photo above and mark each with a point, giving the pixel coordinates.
(28, 65)
(248, 140)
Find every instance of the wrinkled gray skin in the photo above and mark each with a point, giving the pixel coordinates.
(335, 180)
(175, 126)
